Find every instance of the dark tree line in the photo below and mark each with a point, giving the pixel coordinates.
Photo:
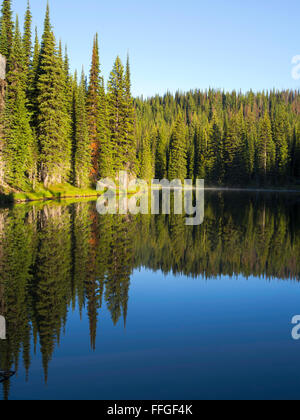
(230, 139)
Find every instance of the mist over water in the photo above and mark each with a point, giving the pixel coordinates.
(139, 307)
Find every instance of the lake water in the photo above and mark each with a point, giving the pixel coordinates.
(145, 307)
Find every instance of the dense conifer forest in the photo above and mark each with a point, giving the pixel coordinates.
(63, 128)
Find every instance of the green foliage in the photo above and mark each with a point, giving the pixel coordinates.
(53, 122)
(82, 142)
(7, 28)
(27, 43)
(81, 133)
(120, 119)
(177, 168)
(97, 120)
(19, 140)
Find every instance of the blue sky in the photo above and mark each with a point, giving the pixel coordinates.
(182, 45)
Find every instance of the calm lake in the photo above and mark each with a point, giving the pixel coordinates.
(145, 307)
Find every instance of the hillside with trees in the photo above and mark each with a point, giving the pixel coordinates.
(58, 128)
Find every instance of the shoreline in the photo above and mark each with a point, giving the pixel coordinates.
(19, 198)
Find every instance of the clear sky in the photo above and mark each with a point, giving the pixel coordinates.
(182, 45)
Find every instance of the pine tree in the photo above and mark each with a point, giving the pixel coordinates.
(16, 74)
(19, 144)
(32, 91)
(280, 133)
(53, 123)
(19, 147)
(129, 142)
(97, 119)
(27, 43)
(3, 38)
(177, 153)
(266, 148)
(82, 141)
(7, 27)
(160, 157)
(117, 117)
(215, 167)
(146, 171)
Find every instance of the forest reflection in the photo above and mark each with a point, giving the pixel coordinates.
(58, 257)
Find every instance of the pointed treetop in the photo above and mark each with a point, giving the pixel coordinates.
(47, 23)
(27, 34)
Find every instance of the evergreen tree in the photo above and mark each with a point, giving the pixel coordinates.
(53, 124)
(32, 90)
(146, 171)
(7, 27)
(82, 141)
(27, 43)
(117, 117)
(160, 157)
(19, 146)
(16, 74)
(177, 153)
(266, 148)
(280, 133)
(129, 141)
(3, 38)
(97, 119)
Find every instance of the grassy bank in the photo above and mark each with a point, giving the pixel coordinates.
(55, 192)
(67, 191)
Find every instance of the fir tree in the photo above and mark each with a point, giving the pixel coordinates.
(146, 171)
(117, 117)
(266, 148)
(82, 142)
(53, 123)
(19, 147)
(3, 38)
(280, 133)
(177, 154)
(7, 27)
(97, 119)
(32, 91)
(160, 157)
(27, 43)
(129, 141)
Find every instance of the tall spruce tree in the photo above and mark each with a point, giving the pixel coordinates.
(266, 148)
(19, 147)
(27, 43)
(129, 141)
(82, 167)
(32, 91)
(120, 118)
(146, 171)
(53, 123)
(280, 135)
(116, 114)
(97, 120)
(178, 151)
(7, 27)
(3, 38)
